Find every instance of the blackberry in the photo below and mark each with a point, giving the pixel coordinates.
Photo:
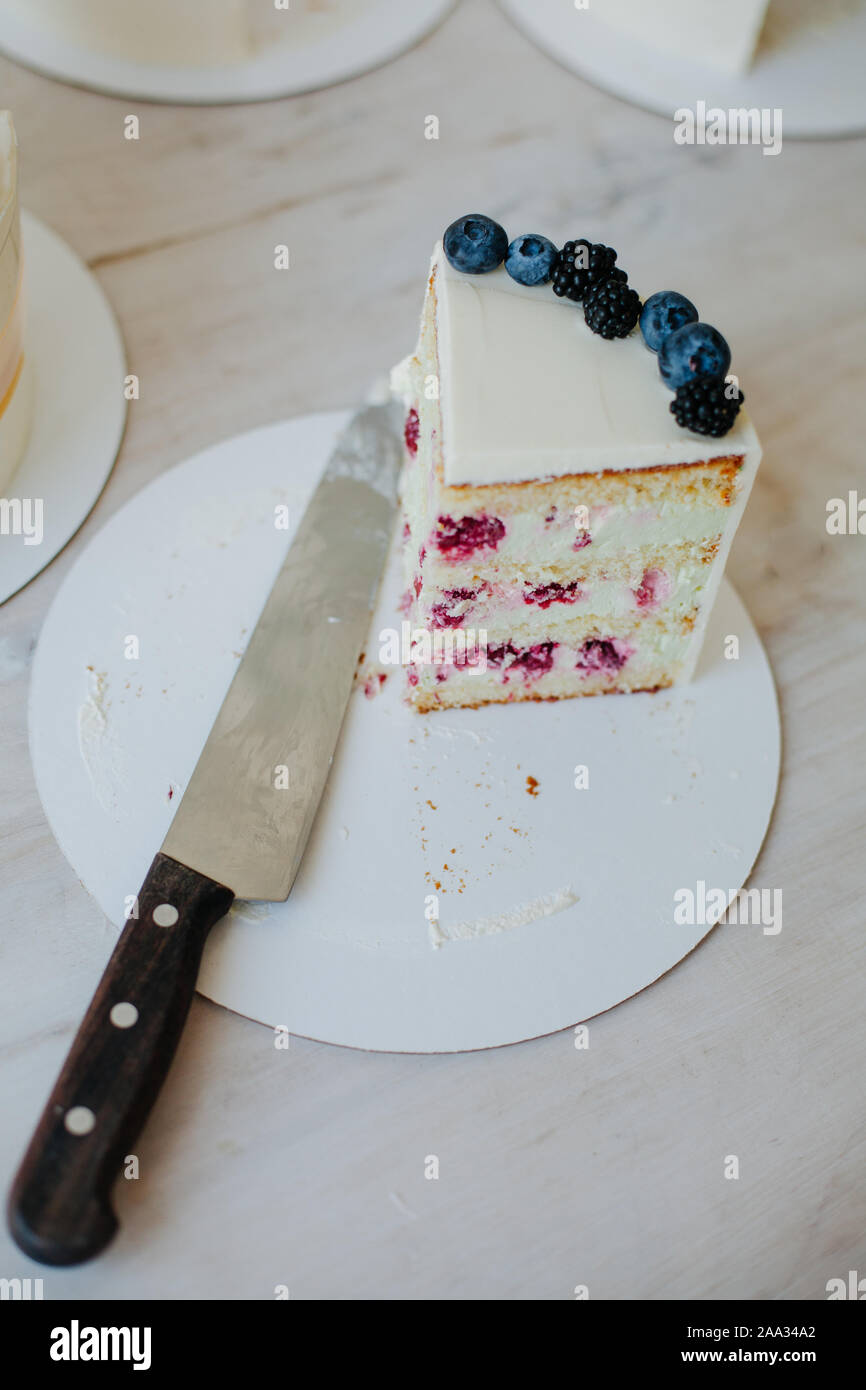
(703, 406)
(595, 263)
(612, 308)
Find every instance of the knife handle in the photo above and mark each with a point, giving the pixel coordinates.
(60, 1205)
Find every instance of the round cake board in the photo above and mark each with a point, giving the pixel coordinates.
(375, 37)
(554, 901)
(814, 76)
(79, 408)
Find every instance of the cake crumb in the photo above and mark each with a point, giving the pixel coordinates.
(532, 785)
(374, 680)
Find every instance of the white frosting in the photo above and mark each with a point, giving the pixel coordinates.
(7, 159)
(15, 426)
(528, 391)
(719, 33)
(16, 372)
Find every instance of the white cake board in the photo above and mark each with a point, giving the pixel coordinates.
(79, 409)
(682, 785)
(390, 28)
(816, 77)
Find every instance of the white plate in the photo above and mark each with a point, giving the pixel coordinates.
(815, 75)
(681, 786)
(377, 37)
(80, 408)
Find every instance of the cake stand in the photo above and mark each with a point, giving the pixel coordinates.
(375, 37)
(462, 887)
(79, 410)
(812, 69)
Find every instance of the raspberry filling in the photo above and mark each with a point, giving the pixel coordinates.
(460, 539)
(582, 539)
(654, 587)
(546, 594)
(603, 654)
(532, 661)
(411, 430)
(443, 614)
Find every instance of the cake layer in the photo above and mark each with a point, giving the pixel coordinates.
(669, 579)
(602, 660)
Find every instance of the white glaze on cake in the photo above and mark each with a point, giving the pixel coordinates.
(712, 33)
(591, 572)
(16, 372)
(528, 391)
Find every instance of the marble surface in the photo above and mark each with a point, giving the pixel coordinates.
(558, 1166)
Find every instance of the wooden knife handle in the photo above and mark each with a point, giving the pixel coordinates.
(60, 1205)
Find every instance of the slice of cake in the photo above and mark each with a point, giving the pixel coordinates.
(564, 533)
(16, 389)
(716, 33)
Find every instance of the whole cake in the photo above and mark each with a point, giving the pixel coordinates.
(16, 387)
(205, 33)
(566, 518)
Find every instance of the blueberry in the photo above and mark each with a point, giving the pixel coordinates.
(475, 244)
(696, 349)
(662, 314)
(530, 259)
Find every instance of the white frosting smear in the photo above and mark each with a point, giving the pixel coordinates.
(545, 906)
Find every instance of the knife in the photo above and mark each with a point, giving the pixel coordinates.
(239, 832)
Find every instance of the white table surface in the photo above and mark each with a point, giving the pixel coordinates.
(557, 1166)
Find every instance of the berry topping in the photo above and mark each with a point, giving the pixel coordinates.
(662, 314)
(707, 405)
(603, 654)
(582, 539)
(411, 431)
(460, 539)
(475, 244)
(581, 264)
(443, 614)
(696, 349)
(611, 308)
(546, 594)
(530, 259)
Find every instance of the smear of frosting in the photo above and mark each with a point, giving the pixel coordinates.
(545, 906)
(102, 755)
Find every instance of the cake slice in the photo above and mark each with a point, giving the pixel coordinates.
(563, 534)
(16, 387)
(718, 33)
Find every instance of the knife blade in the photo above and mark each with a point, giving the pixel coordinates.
(240, 830)
(247, 812)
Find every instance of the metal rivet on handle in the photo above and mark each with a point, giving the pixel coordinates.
(165, 915)
(79, 1120)
(124, 1015)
